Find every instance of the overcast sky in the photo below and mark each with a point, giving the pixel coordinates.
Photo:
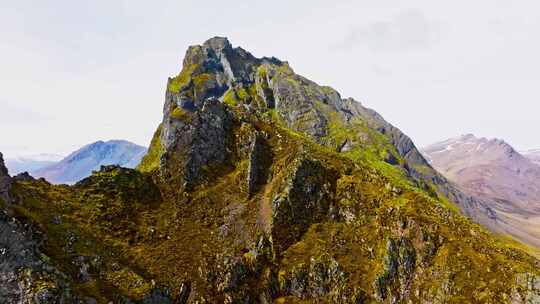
(73, 72)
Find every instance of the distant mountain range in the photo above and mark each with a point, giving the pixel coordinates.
(494, 170)
(30, 163)
(80, 163)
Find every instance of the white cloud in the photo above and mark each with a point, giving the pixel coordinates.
(13, 115)
(408, 30)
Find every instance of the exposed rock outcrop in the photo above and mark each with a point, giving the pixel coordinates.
(259, 162)
(305, 200)
(23, 177)
(195, 139)
(25, 275)
(399, 265)
(5, 181)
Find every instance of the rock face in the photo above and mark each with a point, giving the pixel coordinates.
(5, 181)
(261, 186)
(399, 266)
(259, 158)
(304, 201)
(216, 70)
(491, 169)
(25, 276)
(195, 139)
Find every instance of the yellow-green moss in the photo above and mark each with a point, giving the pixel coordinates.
(230, 98)
(242, 94)
(183, 79)
(181, 114)
(261, 71)
(234, 97)
(200, 80)
(151, 160)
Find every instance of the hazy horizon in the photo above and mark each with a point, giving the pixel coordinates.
(76, 73)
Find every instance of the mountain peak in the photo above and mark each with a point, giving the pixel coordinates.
(234, 77)
(469, 143)
(91, 157)
(218, 44)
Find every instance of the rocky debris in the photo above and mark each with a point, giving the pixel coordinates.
(531, 284)
(24, 275)
(57, 220)
(5, 181)
(158, 296)
(249, 277)
(321, 278)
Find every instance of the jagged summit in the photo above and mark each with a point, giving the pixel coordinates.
(218, 44)
(235, 77)
(469, 146)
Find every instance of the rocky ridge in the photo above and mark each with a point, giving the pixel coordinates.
(261, 186)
